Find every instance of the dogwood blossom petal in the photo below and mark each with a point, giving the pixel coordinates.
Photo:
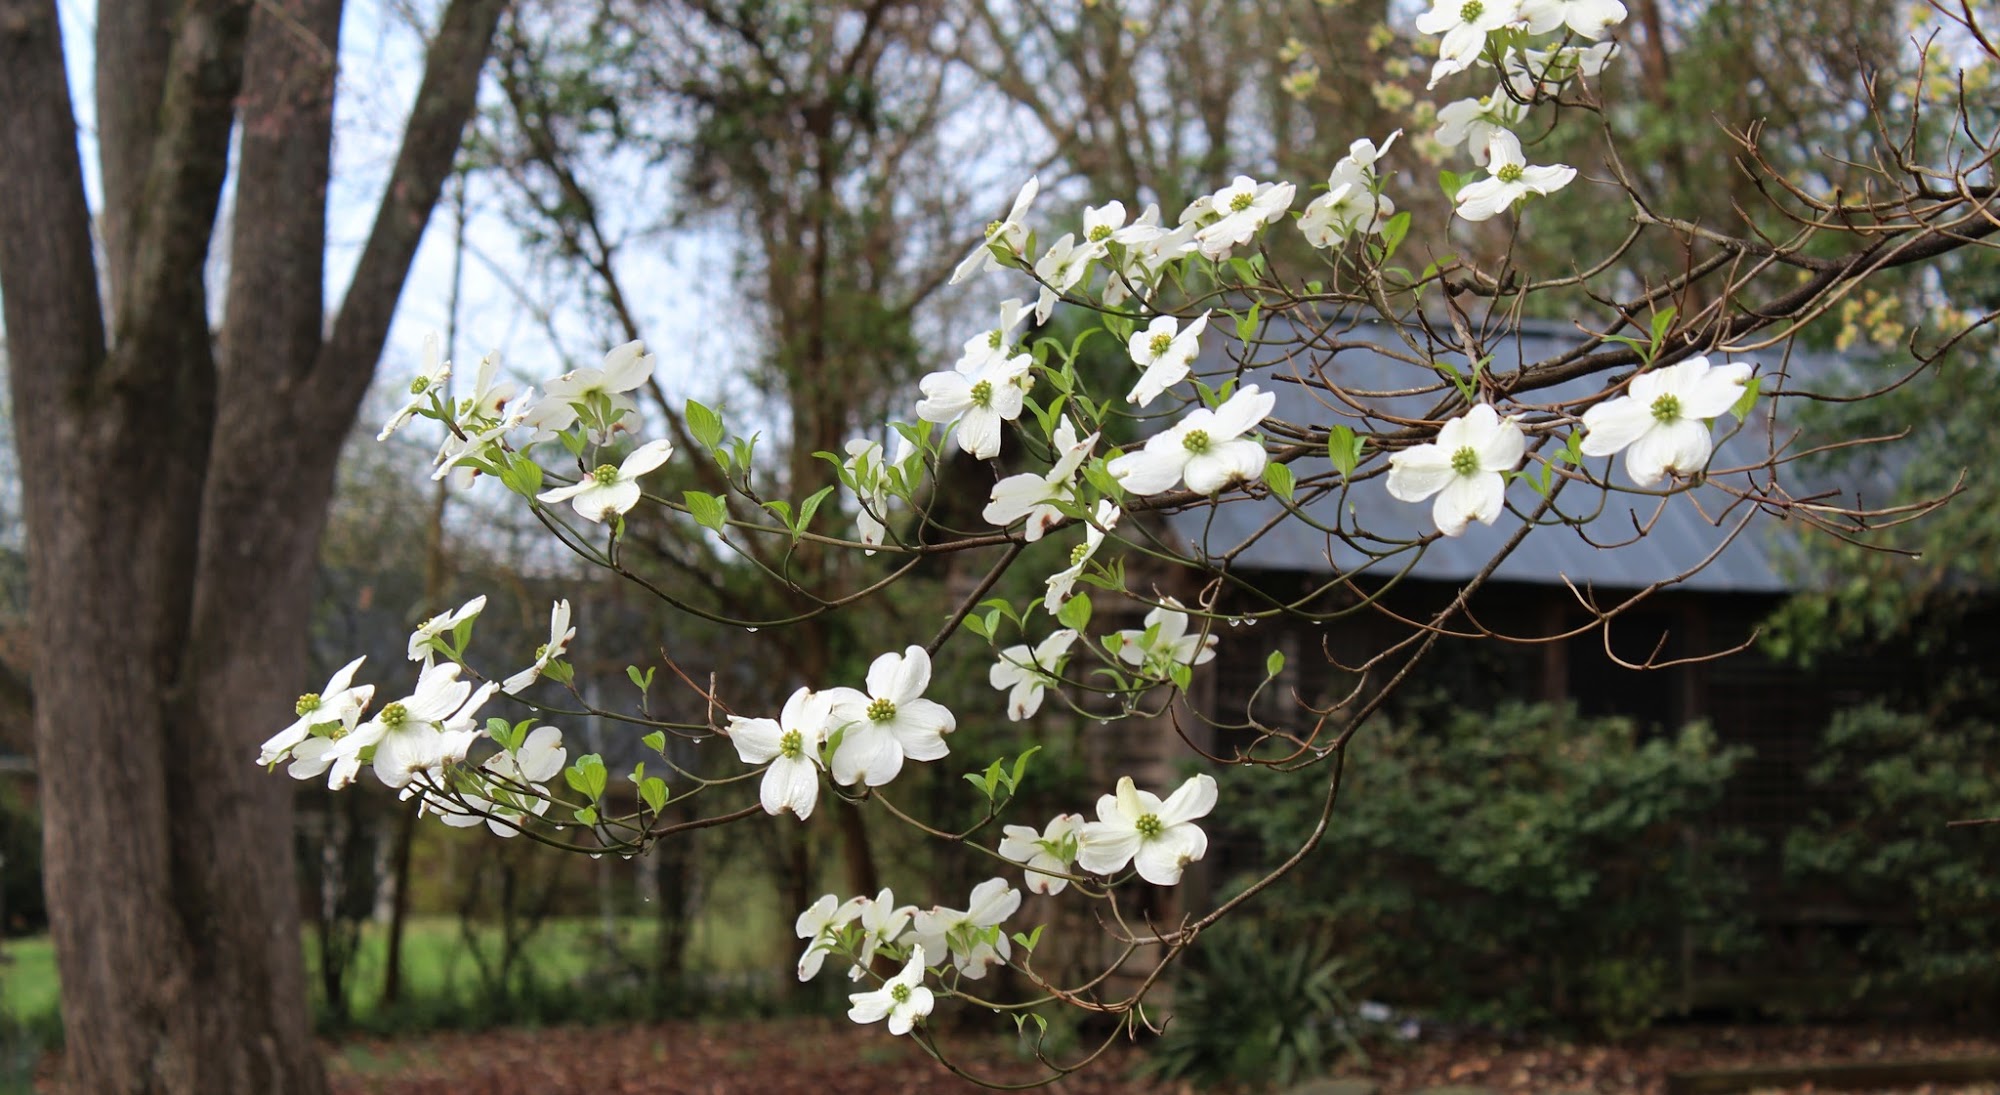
(1661, 423)
(902, 999)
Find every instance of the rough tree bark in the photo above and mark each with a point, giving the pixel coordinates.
(175, 483)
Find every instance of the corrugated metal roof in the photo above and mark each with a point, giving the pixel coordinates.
(1684, 532)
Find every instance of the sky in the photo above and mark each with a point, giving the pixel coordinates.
(498, 300)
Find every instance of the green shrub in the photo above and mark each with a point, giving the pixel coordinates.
(1526, 868)
(1926, 894)
(1252, 1010)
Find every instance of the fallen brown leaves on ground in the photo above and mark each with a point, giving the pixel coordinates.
(832, 1057)
(771, 1057)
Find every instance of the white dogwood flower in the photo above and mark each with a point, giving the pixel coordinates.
(1060, 269)
(1243, 208)
(1165, 354)
(891, 721)
(819, 924)
(1037, 497)
(1464, 468)
(902, 999)
(1464, 25)
(1025, 674)
(978, 399)
(438, 697)
(1473, 122)
(1164, 642)
(429, 383)
(965, 932)
(1010, 235)
(454, 451)
(560, 633)
(1206, 448)
(1351, 203)
(1510, 179)
(1062, 582)
(428, 747)
(625, 369)
(514, 786)
(882, 924)
(609, 491)
(1533, 73)
(1589, 18)
(1149, 247)
(341, 701)
(1044, 856)
(995, 343)
(791, 746)
(424, 641)
(1135, 826)
(1100, 227)
(1661, 422)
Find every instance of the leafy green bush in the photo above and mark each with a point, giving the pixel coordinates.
(1525, 868)
(1248, 1011)
(1927, 894)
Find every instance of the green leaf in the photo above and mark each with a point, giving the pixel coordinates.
(1393, 232)
(1029, 941)
(654, 790)
(1020, 767)
(976, 624)
(1279, 478)
(1075, 612)
(1343, 447)
(656, 741)
(1449, 182)
(587, 776)
(704, 424)
(1181, 675)
(1662, 321)
(586, 814)
(644, 680)
(706, 509)
(809, 507)
(1749, 397)
(1274, 664)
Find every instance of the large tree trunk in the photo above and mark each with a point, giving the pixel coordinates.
(174, 495)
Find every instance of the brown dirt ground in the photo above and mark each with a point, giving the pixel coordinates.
(831, 1057)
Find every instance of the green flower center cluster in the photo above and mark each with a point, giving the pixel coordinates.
(1149, 826)
(420, 385)
(1160, 344)
(993, 229)
(1509, 173)
(899, 993)
(605, 475)
(395, 715)
(1471, 12)
(881, 710)
(1077, 555)
(1196, 441)
(1667, 408)
(1465, 461)
(982, 394)
(792, 745)
(1241, 202)
(307, 704)
(1100, 233)
(994, 338)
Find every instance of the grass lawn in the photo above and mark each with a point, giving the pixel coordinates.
(579, 968)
